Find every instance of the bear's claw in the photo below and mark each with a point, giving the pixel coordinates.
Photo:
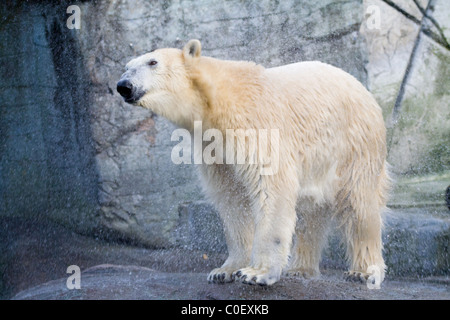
(356, 276)
(306, 273)
(254, 276)
(220, 275)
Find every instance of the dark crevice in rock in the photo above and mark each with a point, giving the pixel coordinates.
(438, 38)
(401, 92)
(68, 137)
(337, 34)
(403, 12)
(442, 40)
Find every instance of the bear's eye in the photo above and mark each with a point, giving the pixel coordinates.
(152, 62)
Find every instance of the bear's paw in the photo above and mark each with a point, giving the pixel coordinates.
(221, 275)
(356, 276)
(254, 276)
(306, 273)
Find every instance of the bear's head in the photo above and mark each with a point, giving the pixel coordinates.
(162, 82)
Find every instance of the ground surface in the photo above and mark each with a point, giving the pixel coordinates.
(35, 257)
(131, 282)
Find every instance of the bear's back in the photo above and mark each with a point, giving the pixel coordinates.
(323, 85)
(313, 74)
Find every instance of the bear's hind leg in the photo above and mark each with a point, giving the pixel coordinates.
(362, 227)
(310, 237)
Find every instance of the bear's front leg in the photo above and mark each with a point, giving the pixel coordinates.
(233, 205)
(275, 219)
(239, 242)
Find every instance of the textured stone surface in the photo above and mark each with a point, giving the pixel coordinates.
(47, 167)
(408, 68)
(119, 282)
(34, 258)
(416, 242)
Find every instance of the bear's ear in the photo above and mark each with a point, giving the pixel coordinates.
(192, 49)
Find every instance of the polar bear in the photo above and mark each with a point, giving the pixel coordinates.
(332, 157)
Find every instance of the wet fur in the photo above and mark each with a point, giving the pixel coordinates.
(332, 160)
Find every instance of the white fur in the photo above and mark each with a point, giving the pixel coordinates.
(331, 151)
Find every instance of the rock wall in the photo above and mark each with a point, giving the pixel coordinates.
(408, 72)
(47, 165)
(72, 151)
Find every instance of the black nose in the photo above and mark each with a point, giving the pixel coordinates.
(125, 88)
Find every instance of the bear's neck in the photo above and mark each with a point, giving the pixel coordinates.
(226, 86)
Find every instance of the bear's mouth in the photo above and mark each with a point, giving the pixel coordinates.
(128, 91)
(134, 97)
(130, 100)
